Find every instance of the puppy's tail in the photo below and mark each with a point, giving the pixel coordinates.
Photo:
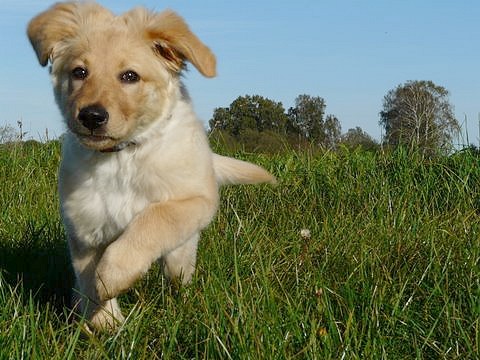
(232, 171)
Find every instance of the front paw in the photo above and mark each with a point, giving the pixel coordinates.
(116, 273)
(107, 317)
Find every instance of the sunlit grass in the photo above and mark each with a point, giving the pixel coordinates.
(390, 269)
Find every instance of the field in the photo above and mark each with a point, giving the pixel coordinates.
(390, 269)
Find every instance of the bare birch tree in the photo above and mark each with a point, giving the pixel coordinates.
(418, 114)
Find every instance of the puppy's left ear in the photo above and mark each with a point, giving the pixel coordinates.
(175, 42)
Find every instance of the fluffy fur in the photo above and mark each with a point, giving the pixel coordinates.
(139, 183)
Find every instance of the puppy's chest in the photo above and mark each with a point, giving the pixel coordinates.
(104, 201)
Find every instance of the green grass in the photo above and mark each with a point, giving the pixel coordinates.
(391, 269)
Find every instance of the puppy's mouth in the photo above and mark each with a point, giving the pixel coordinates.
(97, 142)
(103, 143)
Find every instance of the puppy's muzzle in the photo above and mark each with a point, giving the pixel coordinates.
(93, 117)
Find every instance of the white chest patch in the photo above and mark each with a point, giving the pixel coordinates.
(102, 199)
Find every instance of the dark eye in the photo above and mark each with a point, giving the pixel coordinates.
(129, 76)
(79, 73)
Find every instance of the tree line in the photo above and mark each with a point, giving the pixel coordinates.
(416, 114)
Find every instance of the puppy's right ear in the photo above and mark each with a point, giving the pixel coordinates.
(50, 27)
(60, 23)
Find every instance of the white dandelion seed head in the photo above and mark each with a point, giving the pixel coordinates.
(305, 233)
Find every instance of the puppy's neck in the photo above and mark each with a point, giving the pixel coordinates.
(119, 147)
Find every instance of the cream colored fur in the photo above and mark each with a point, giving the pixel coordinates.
(125, 209)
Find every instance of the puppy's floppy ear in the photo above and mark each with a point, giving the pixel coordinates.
(49, 27)
(175, 42)
(59, 23)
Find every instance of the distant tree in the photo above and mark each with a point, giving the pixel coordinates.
(332, 130)
(306, 118)
(8, 134)
(250, 113)
(354, 138)
(418, 114)
(308, 122)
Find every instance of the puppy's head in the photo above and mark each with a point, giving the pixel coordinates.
(114, 75)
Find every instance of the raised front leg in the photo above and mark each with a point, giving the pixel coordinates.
(155, 232)
(100, 314)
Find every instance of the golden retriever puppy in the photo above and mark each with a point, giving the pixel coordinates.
(137, 180)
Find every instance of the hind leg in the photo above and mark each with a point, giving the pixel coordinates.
(180, 262)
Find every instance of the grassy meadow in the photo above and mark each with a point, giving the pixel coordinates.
(390, 269)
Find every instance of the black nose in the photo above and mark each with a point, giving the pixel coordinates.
(93, 116)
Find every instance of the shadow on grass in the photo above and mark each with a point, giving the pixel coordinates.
(39, 260)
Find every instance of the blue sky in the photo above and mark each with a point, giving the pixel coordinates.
(349, 52)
